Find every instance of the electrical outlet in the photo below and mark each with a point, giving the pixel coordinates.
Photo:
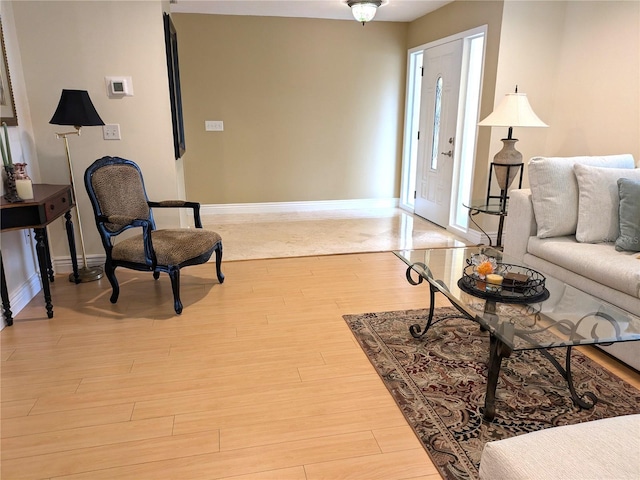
(214, 125)
(111, 131)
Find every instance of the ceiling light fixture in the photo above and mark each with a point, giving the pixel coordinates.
(364, 10)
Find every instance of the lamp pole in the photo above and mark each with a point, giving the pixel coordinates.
(76, 109)
(85, 274)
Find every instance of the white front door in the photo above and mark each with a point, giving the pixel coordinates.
(437, 145)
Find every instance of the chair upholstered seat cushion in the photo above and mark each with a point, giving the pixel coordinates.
(172, 246)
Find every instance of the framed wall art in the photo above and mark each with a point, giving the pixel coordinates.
(171, 44)
(7, 105)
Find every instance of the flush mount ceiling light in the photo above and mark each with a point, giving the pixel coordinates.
(364, 10)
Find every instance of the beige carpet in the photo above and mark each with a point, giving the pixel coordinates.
(256, 236)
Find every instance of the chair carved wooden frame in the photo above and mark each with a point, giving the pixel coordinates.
(119, 199)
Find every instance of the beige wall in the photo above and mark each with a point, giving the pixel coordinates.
(579, 64)
(19, 259)
(597, 90)
(75, 45)
(531, 37)
(312, 109)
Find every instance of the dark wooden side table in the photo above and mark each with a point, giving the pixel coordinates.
(49, 203)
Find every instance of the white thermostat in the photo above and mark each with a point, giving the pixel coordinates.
(119, 86)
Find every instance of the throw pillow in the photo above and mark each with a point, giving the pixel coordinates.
(629, 238)
(554, 190)
(598, 202)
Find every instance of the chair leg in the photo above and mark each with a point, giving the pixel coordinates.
(219, 273)
(110, 272)
(174, 274)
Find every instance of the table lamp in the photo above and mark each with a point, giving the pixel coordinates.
(75, 108)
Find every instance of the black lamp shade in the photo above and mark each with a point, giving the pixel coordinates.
(75, 108)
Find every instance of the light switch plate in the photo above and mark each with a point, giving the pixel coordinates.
(111, 131)
(214, 125)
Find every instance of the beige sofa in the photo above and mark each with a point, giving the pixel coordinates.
(561, 226)
(602, 449)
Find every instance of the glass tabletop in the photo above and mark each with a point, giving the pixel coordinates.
(565, 317)
(493, 207)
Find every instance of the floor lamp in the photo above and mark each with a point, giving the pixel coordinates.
(75, 108)
(513, 111)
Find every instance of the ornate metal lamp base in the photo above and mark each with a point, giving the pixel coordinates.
(87, 274)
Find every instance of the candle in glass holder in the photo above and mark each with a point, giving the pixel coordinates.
(24, 189)
(494, 281)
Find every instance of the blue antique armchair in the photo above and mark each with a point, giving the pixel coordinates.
(120, 202)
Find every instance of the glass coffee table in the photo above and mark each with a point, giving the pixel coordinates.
(528, 311)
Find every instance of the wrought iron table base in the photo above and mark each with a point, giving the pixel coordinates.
(497, 351)
(473, 212)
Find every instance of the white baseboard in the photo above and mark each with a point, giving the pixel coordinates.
(64, 264)
(23, 295)
(33, 285)
(287, 207)
(477, 237)
(474, 237)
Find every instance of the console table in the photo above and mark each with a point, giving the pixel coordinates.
(49, 203)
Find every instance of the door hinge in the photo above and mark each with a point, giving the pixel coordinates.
(418, 135)
(415, 194)
(422, 71)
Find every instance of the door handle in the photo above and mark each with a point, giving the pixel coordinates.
(449, 153)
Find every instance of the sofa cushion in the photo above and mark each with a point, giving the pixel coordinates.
(554, 190)
(600, 449)
(622, 300)
(599, 262)
(598, 202)
(629, 212)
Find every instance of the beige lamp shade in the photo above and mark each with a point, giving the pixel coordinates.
(513, 111)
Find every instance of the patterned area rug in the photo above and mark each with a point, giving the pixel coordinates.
(439, 383)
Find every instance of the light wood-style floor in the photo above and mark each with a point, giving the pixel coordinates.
(259, 378)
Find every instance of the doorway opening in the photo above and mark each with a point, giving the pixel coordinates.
(415, 146)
